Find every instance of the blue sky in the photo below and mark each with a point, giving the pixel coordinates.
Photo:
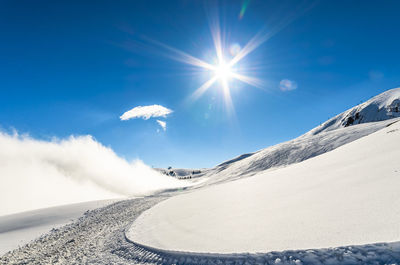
(74, 67)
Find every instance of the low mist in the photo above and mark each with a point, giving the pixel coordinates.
(36, 174)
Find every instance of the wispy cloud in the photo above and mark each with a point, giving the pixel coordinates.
(163, 124)
(36, 174)
(375, 75)
(146, 112)
(287, 85)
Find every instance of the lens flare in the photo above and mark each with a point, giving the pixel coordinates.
(243, 9)
(235, 49)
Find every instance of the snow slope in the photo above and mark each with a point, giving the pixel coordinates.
(290, 152)
(383, 107)
(19, 229)
(344, 197)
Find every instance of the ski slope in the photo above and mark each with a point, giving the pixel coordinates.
(348, 196)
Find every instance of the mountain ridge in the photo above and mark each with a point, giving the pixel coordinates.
(381, 107)
(367, 117)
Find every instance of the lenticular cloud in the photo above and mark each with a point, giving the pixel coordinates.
(146, 112)
(36, 174)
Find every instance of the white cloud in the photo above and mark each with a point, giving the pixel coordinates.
(146, 112)
(163, 124)
(287, 85)
(36, 174)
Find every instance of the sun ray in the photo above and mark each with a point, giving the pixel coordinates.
(253, 44)
(265, 34)
(227, 96)
(217, 39)
(181, 56)
(203, 88)
(253, 81)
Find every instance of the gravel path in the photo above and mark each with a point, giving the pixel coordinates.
(99, 238)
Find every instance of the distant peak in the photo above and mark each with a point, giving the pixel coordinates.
(381, 107)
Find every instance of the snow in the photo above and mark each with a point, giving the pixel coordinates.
(19, 229)
(381, 107)
(290, 152)
(348, 196)
(98, 238)
(183, 173)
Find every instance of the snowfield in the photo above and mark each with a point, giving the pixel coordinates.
(19, 229)
(98, 237)
(347, 196)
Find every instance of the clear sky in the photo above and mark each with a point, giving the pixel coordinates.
(74, 67)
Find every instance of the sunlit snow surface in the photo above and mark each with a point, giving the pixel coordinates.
(326, 137)
(347, 196)
(19, 229)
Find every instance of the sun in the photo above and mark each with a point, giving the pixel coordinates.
(226, 71)
(223, 71)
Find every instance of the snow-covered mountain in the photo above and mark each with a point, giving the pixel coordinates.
(379, 108)
(357, 122)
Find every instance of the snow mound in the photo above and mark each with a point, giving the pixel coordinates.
(348, 196)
